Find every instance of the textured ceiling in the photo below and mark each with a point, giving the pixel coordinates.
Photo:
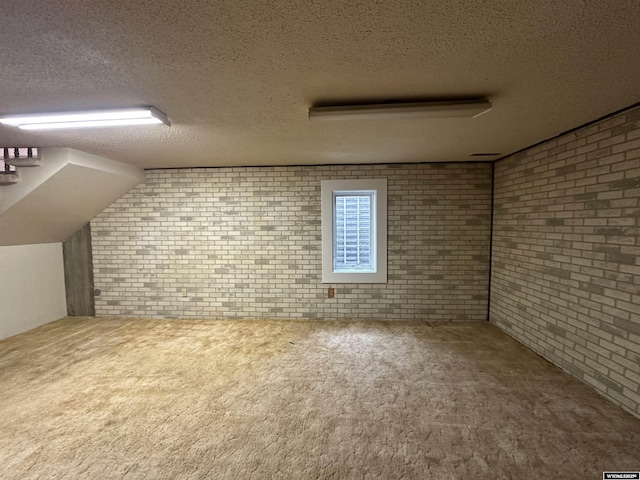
(236, 77)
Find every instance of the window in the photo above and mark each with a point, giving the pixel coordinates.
(354, 231)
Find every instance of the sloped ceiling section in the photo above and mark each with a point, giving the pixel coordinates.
(54, 200)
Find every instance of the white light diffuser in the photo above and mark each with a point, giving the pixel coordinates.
(87, 119)
(440, 109)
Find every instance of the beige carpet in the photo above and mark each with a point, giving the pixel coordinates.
(150, 399)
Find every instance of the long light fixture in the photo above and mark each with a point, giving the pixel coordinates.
(436, 109)
(87, 119)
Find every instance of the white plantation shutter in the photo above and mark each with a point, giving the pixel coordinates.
(352, 250)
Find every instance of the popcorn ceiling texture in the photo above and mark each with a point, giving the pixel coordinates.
(236, 77)
(246, 243)
(566, 253)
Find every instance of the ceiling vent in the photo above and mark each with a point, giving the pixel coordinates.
(22, 157)
(13, 157)
(8, 175)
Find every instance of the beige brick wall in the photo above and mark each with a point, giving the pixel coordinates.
(566, 253)
(246, 243)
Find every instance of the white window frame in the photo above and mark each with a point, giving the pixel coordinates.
(329, 188)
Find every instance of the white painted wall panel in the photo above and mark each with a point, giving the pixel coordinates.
(31, 287)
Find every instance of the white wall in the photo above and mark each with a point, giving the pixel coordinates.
(32, 290)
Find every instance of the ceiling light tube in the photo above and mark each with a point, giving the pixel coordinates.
(90, 124)
(87, 119)
(441, 109)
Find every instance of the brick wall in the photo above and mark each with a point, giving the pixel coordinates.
(246, 243)
(566, 253)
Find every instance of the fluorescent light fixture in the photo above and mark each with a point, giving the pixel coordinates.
(441, 109)
(87, 119)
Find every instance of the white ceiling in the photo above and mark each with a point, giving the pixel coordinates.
(236, 77)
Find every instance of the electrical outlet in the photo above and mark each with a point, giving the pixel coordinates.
(184, 292)
(331, 292)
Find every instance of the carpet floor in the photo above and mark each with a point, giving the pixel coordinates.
(85, 398)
